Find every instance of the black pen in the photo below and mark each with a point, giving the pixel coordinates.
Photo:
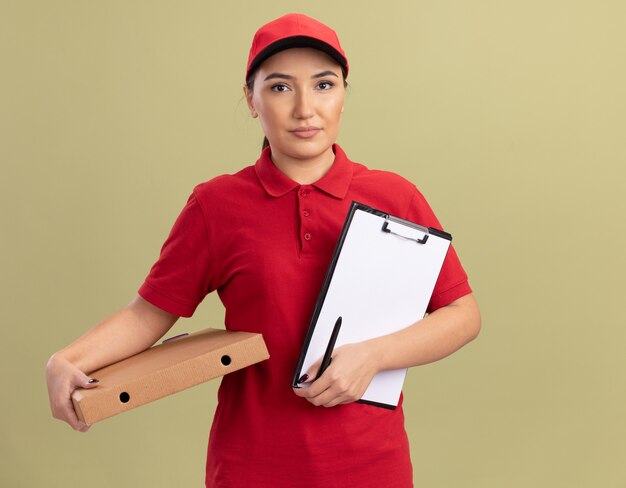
(329, 350)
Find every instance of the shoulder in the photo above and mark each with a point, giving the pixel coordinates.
(365, 175)
(221, 191)
(225, 184)
(385, 190)
(226, 194)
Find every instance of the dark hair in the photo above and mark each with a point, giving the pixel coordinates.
(250, 85)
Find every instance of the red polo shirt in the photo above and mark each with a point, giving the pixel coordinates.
(264, 243)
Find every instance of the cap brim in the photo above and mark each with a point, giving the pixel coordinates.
(293, 42)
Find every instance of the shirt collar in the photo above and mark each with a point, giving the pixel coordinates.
(277, 184)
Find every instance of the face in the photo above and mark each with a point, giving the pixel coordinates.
(298, 96)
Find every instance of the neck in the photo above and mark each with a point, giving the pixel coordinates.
(305, 171)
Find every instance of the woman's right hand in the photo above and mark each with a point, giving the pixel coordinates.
(130, 330)
(63, 378)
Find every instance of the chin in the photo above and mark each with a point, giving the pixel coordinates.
(307, 149)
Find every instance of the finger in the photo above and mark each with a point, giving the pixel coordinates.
(335, 401)
(81, 380)
(316, 387)
(311, 378)
(91, 383)
(337, 391)
(311, 374)
(68, 414)
(304, 390)
(79, 425)
(307, 380)
(328, 398)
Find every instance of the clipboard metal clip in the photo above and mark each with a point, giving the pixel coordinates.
(386, 229)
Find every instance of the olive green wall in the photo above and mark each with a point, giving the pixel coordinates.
(510, 117)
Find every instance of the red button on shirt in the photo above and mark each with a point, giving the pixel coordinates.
(236, 235)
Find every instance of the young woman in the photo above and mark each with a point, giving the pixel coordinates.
(263, 238)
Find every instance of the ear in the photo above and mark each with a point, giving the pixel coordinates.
(248, 94)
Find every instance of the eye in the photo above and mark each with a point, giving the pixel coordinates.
(279, 87)
(325, 85)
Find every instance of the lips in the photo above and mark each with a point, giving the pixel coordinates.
(305, 132)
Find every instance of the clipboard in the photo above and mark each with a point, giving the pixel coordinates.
(380, 280)
(174, 365)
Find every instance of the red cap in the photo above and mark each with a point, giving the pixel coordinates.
(294, 30)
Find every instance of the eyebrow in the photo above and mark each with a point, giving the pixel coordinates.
(289, 77)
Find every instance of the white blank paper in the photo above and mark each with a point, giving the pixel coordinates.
(381, 283)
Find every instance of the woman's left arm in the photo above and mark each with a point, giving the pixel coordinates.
(436, 336)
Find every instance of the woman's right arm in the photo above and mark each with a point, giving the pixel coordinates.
(128, 331)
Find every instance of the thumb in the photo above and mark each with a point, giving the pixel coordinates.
(84, 381)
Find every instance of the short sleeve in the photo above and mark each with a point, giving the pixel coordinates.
(452, 282)
(181, 277)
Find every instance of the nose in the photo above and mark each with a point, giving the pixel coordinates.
(303, 108)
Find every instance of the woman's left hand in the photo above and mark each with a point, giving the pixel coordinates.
(352, 368)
